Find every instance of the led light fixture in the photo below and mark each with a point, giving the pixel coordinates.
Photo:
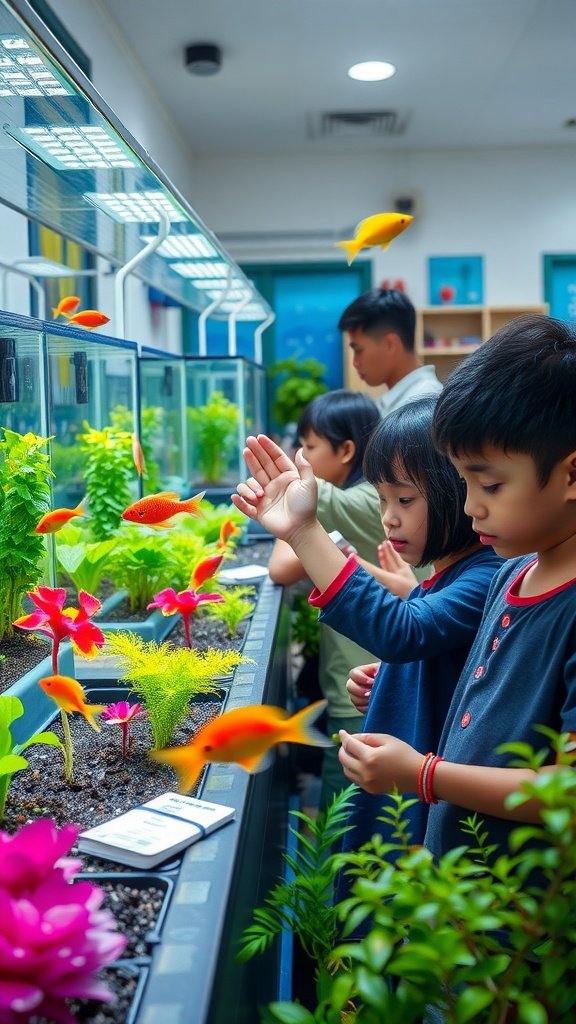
(197, 269)
(235, 294)
(40, 266)
(24, 73)
(136, 207)
(371, 71)
(252, 311)
(71, 147)
(212, 282)
(184, 245)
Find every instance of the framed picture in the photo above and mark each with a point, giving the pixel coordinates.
(456, 280)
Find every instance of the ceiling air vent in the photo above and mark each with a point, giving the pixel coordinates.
(358, 124)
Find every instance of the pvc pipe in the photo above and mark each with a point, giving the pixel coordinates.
(258, 336)
(8, 268)
(122, 274)
(202, 348)
(232, 322)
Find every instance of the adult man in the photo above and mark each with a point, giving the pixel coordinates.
(380, 326)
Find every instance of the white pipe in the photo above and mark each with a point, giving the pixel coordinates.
(202, 349)
(122, 274)
(232, 322)
(258, 336)
(10, 269)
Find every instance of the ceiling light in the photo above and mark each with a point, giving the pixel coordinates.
(136, 207)
(184, 245)
(24, 73)
(71, 147)
(371, 71)
(190, 269)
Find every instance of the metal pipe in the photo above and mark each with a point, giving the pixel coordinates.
(122, 274)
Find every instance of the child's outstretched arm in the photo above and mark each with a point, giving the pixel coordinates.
(281, 495)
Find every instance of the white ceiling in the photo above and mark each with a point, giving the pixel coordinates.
(470, 72)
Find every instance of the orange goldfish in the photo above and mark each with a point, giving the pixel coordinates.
(65, 306)
(158, 509)
(89, 318)
(138, 455)
(244, 736)
(54, 521)
(69, 696)
(377, 230)
(227, 530)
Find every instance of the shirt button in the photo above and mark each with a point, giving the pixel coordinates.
(495, 643)
(479, 672)
(505, 621)
(466, 719)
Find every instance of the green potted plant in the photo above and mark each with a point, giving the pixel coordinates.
(214, 435)
(301, 381)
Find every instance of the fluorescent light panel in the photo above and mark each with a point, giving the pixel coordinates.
(73, 147)
(136, 207)
(233, 294)
(184, 245)
(197, 269)
(24, 73)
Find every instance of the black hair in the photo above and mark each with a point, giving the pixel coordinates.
(402, 448)
(381, 310)
(342, 416)
(516, 393)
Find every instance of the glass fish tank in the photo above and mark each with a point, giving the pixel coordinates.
(163, 422)
(225, 401)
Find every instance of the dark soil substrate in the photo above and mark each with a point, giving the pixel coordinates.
(208, 632)
(22, 652)
(136, 909)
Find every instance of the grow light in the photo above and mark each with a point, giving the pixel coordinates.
(184, 245)
(71, 147)
(24, 73)
(233, 294)
(136, 207)
(191, 269)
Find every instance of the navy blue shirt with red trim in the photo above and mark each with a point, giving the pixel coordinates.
(521, 672)
(423, 643)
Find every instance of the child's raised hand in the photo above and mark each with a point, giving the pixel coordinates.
(280, 494)
(379, 763)
(359, 685)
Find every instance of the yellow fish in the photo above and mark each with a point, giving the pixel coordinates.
(69, 696)
(377, 230)
(244, 736)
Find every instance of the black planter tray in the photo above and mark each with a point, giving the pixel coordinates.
(141, 881)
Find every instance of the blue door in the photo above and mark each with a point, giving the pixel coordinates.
(560, 286)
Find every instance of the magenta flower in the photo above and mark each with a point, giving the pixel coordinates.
(122, 714)
(185, 603)
(53, 935)
(59, 623)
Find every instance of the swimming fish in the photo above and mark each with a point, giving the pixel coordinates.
(244, 736)
(138, 455)
(89, 318)
(377, 230)
(227, 530)
(54, 521)
(158, 509)
(65, 306)
(69, 696)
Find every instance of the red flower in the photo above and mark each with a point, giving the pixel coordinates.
(59, 623)
(184, 603)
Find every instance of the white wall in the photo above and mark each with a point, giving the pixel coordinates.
(509, 205)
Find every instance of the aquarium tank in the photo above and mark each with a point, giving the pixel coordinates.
(163, 429)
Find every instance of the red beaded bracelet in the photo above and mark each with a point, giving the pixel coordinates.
(423, 768)
(428, 780)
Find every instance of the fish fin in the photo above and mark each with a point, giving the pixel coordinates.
(185, 763)
(352, 247)
(299, 728)
(172, 495)
(385, 245)
(94, 709)
(168, 524)
(192, 505)
(81, 507)
(256, 762)
(55, 312)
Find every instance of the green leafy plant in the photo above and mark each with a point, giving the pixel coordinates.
(167, 678)
(85, 563)
(484, 935)
(24, 498)
(305, 627)
(11, 760)
(141, 564)
(151, 424)
(237, 604)
(208, 526)
(109, 472)
(302, 380)
(67, 463)
(214, 433)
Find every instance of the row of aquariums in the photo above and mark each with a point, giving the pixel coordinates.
(177, 423)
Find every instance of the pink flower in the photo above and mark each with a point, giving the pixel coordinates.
(185, 603)
(59, 623)
(122, 713)
(53, 935)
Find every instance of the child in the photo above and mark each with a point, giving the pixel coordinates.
(334, 430)
(423, 641)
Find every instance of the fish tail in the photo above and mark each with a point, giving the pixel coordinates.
(352, 247)
(192, 505)
(81, 507)
(299, 728)
(185, 763)
(89, 710)
(56, 312)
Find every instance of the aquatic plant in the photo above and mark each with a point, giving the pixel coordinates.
(141, 564)
(109, 474)
(237, 603)
(58, 623)
(24, 498)
(184, 603)
(11, 760)
(151, 420)
(302, 380)
(54, 936)
(167, 678)
(85, 563)
(209, 525)
(123, 714)
(214, 434)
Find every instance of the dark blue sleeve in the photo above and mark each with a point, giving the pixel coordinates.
(425, 625)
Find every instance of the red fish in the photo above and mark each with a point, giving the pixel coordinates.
(54, 521)
(68, 694)
(65, 306)
(227, 530)
(89, 318)
(138, 455)
(244, 736)
(158, 509)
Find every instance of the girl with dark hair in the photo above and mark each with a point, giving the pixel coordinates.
(422, 641)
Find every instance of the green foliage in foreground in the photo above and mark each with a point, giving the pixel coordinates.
(238, 603)
(485, 935)
(11, 760)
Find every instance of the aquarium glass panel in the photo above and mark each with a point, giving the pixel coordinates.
(163, 416)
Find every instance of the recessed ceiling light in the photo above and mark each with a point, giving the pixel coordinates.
(371, 71)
